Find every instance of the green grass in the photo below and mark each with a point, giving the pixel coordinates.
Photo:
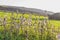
(55, 22)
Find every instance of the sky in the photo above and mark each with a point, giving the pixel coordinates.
(49, 5)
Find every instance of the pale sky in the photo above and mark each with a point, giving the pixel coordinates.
(50, 5)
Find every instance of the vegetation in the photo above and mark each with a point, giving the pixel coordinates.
(19, 26)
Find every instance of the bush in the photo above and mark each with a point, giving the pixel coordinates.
(15, 27)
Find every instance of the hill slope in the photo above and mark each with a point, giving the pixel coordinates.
(50, 14)
(24, 9)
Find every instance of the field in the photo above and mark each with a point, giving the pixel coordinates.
(55, 22)
(19, 26)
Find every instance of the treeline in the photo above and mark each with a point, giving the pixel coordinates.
(55, 16)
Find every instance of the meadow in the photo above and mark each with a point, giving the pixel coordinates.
(19, 26)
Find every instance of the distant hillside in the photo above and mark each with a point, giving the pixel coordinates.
(24, 9)
(50, 14)
(55, 16)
